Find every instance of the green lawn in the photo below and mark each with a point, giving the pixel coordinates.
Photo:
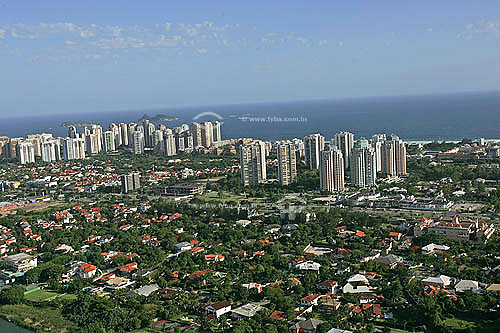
(40, 295)
(43, 295)
(478, 325)
(40, 318)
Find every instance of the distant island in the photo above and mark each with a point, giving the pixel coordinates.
(158, 118)
(79, 123)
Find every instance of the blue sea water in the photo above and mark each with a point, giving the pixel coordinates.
(430, 117)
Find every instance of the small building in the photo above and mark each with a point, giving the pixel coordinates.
(465, 285)
(218, 309)
(21, 262)
(306, 326)
(87, 271)
(441, 281)
(330, 286)
(434, 248)
(246, 311)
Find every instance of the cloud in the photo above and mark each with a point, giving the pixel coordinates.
(341, 43)
(68, 41)
(481, 30)
(429, 30)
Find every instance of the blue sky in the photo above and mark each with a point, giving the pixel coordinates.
(78, 56)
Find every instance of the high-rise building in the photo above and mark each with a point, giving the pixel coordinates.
(216, 132)
(363, 165)
(169, 138)
(117, 134)
(377, 144)
(74, 148)
(287, 163)
(148, 133)
(130, 182)
(158, 143)
(50, 151)
(109, 141)
(138, 142)
(206, 134)
(345, 142)
(72, 132)
(331, 170)
(124, 134)
(131, 127)
(179, 142)
(313, 145)
(26, 152)
(394, 157)
(196, 130)
(253, 163)
(188, 142)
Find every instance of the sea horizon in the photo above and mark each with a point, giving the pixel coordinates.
(414, 118)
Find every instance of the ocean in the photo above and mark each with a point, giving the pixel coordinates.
(413, 118)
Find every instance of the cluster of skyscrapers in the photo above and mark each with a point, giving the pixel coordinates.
(92, 140)
(363, 159)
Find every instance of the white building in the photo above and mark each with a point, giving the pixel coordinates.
(313, 145)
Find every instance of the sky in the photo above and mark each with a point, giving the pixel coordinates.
(94, 55)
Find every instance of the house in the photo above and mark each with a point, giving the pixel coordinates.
(218, 309)
(495, 287)
(243, 223)
(464, 285)
(395, 235)
(390, 261)
(253, 285)
(310, 300)
(118, 283)
(272, 228)
(356, 284)
(183, 246)
(434, 248)
(87, 271)
(441, 281)
(302, 264)
(147, 290)
(128, 268)
(21, 262)
(214, 258)
(373, 309)
(330, 286)
(306, 326)
(246, 311)
(278, 315)
(372, 255)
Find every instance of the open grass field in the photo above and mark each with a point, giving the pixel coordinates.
(40, 318)
(45, 295)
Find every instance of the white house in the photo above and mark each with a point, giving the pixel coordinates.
(310, 266)
(183, 246)
(441, 281)
(464, 285)
(357, 284)
(217, 309)
(434, 248)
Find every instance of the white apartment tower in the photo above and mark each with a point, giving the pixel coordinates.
(331, 170)
(287, 163)
(345, 142)
(363, 165)
(313, 145)
(253, 163)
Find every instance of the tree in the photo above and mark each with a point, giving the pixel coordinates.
(12, 295)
